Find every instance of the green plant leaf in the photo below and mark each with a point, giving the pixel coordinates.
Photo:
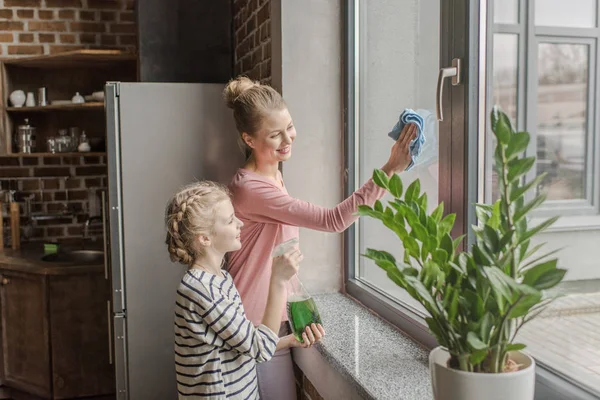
(550, 279)
(532, 275)
(519, 167)
(447, 245)
(438, 213)
(539, 228)
(481, 257)
(412, 192)
(437, 331)
(524, 304)
(515, 347)
(515, 194)
(420, 232)
(446, 224)
(378, 206)
(491, 239)
(478, 356)
(369, 212)
(395, 185)
(517, 144)
(533, 204)
(474, 341)
(379, 255)
(432, 226)
(411, 246)
(422, 201)
(485, 327)
(456, 242)
(501, 125)
(380, 178)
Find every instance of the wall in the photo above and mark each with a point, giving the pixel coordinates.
(252, 38)
(34, 27)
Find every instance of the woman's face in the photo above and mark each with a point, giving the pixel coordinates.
(273, 141)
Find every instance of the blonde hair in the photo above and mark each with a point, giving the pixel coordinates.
(250, 101)
(190, 213)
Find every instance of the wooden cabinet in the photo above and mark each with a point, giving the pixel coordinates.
(55, 334)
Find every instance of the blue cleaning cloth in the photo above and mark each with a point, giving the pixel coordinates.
(410, 116)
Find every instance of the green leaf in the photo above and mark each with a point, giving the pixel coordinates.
(474, 341)
(437, 331)
(515, 347)
(440, 256)
(505, 240)
(378, 206)
(395, 185)
(501, 125)
(500, 282)
(520, 167)
(446, 224)
(539, 228)
(491, 239)
(380, 178)
(438, 212)
(522, 212)
(550, 279)
(412, 247)
(447, 245)
(524, 304)
(423, 201)
(481, 257)
(456, 242)
(367, 211)
(412, 193)
(379, 255)
(478, 356)
(486, 325)
(409, 271)
(533, 274)
(515, 194)
(517, 144)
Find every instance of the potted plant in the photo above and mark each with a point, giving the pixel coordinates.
(477, 300)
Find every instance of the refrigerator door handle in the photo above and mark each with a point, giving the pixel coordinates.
(105, 238)
(110, 332)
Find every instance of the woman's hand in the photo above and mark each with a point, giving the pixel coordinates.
(400, 157)
(312, 334)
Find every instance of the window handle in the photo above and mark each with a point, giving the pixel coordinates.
(448, 72)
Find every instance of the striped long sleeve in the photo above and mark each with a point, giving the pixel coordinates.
(216, 346)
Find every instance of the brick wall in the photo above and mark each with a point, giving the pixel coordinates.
(252, 38)
(304, 388)
(59, 185)
(34, 27)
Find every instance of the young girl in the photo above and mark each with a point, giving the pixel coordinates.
(271, 216)
(216, 346)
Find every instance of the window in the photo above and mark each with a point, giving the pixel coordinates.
(544, 70)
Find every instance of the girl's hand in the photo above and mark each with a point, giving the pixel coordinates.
(285, 266)
(400, 156)
(310, 336)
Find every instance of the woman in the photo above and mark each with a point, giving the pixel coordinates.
(271, 216)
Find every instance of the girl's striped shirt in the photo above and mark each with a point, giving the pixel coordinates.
(216, 346)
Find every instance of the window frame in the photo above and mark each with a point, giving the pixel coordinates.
(460, 184)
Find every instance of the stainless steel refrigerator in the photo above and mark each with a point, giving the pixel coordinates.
(160, 136)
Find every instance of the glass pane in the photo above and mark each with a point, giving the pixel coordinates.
(504, 93)
(562, 119)
(394, 76)
(506, 11)
(572, 13)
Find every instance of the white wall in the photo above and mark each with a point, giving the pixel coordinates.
(307, 68)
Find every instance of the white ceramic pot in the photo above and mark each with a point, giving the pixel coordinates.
(17, 98)
(30, 102)
(451, 384)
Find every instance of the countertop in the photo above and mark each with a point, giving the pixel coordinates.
(29, 260)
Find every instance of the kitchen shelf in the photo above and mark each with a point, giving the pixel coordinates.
(49, 155)
(77, 58)
(58, 107)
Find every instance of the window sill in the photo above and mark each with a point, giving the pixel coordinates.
(363, 357)
(571, 223)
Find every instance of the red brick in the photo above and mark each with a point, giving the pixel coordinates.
(8, 37)
(76, 230)
(63, 3)
(51, 160)
(31, 184)
(9, 161)
(25, 50)
(126, 17)
(108, 16)
(26, 38)
(14, 172)
(61, 49)
(74, 183)
(47, 38)
(82, 171)
(47, 26)
(87, 15)
(78, 194)
(51, 184)
(88, 27)
(108, 40)
(122, 28)
(54, 171)
(30, 161)
(25, 13)
(91, 160)
(129, 5)
(93, 182)
(22, 3)
(55, 230)
(46, 14)
(11, 26)
(6, 14)
(128, 40)
(72, 160)
(87, 38)
(105, 4)
(66, 14)
(68, 39)
(263, 14)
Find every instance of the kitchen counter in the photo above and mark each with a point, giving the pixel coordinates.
(29, 260)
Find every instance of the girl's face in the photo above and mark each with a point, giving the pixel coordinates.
(273, 142)
(225, 236)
